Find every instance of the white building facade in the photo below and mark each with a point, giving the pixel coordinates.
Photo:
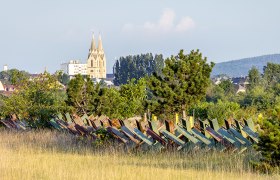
(74, 67)
(5, 68)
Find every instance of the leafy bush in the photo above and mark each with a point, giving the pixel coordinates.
(35, 100)
(269, 144)
(222, 110)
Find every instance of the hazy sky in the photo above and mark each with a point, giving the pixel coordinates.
(35, 34)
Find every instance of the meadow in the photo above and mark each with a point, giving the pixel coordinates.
(46, 154)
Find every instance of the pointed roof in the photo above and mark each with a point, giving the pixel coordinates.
(1, 86)
(92, 47)
(100, 47)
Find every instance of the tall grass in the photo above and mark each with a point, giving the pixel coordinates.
(49, 154)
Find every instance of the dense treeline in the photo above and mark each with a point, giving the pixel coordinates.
(136, 67)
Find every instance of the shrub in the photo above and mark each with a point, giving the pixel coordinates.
(269, 144)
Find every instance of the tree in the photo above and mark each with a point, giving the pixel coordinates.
(159, 64)
(111, 103)
(35, 100)
(14, 76)
(82, 95)
(272, 74)
(62, 77)
(269, 144)
(259, 97)
(134, 94)
(183, 82)
(254, 77)
(222, 110)
(123, 103)
(214, 93)
(227, 86)
(136, 67)
(116, 71)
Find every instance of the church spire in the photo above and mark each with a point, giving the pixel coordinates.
(100, 47)
(92, 47)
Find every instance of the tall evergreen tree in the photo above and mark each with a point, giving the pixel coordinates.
(254, 77)
(183, 82)
(137, 66)
(272, 74)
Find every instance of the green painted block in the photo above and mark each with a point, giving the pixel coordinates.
(238, 136)
(68, 118)
(84, 119)
(229, 137)
(59, 115)
(214, 124)
(250, 124)
(187, 134)
(239, 127)
(203, 125)
(251, 134)
(55, 125)
(142, 136)
(201, 137)
(172, 137)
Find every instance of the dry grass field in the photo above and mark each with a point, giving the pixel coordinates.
(53, 155)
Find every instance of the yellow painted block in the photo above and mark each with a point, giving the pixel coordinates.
(191, 119)
(154, 118)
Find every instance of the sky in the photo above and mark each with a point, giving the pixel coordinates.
(39, 34)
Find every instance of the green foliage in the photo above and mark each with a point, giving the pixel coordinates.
(269, 144)
(200, 110)
(214, 93)
(227, 86)
(123, 103)
(183, 82)
(222, 110)
(254, 77)
(14, 76)
(62, 77)
(272, 74)
(82, 95)
(259, 97)
(134, 95)
(136, 67)
(111, 103)
(38, 99)
(103, 137)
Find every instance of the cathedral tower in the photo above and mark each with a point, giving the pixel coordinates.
(96, 63)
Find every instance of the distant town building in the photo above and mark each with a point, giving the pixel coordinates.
(241, 88)
(240, 83)
(9, 88)
(6, 89)
(105, 81)
(1, 86)
(5, 68)
(110, 77)
(95, 66)
(74, 67)
(218, 79)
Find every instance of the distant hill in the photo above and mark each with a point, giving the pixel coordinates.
(237, 68)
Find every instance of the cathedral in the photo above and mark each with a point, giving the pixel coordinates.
(96, 62)
(95, 67)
